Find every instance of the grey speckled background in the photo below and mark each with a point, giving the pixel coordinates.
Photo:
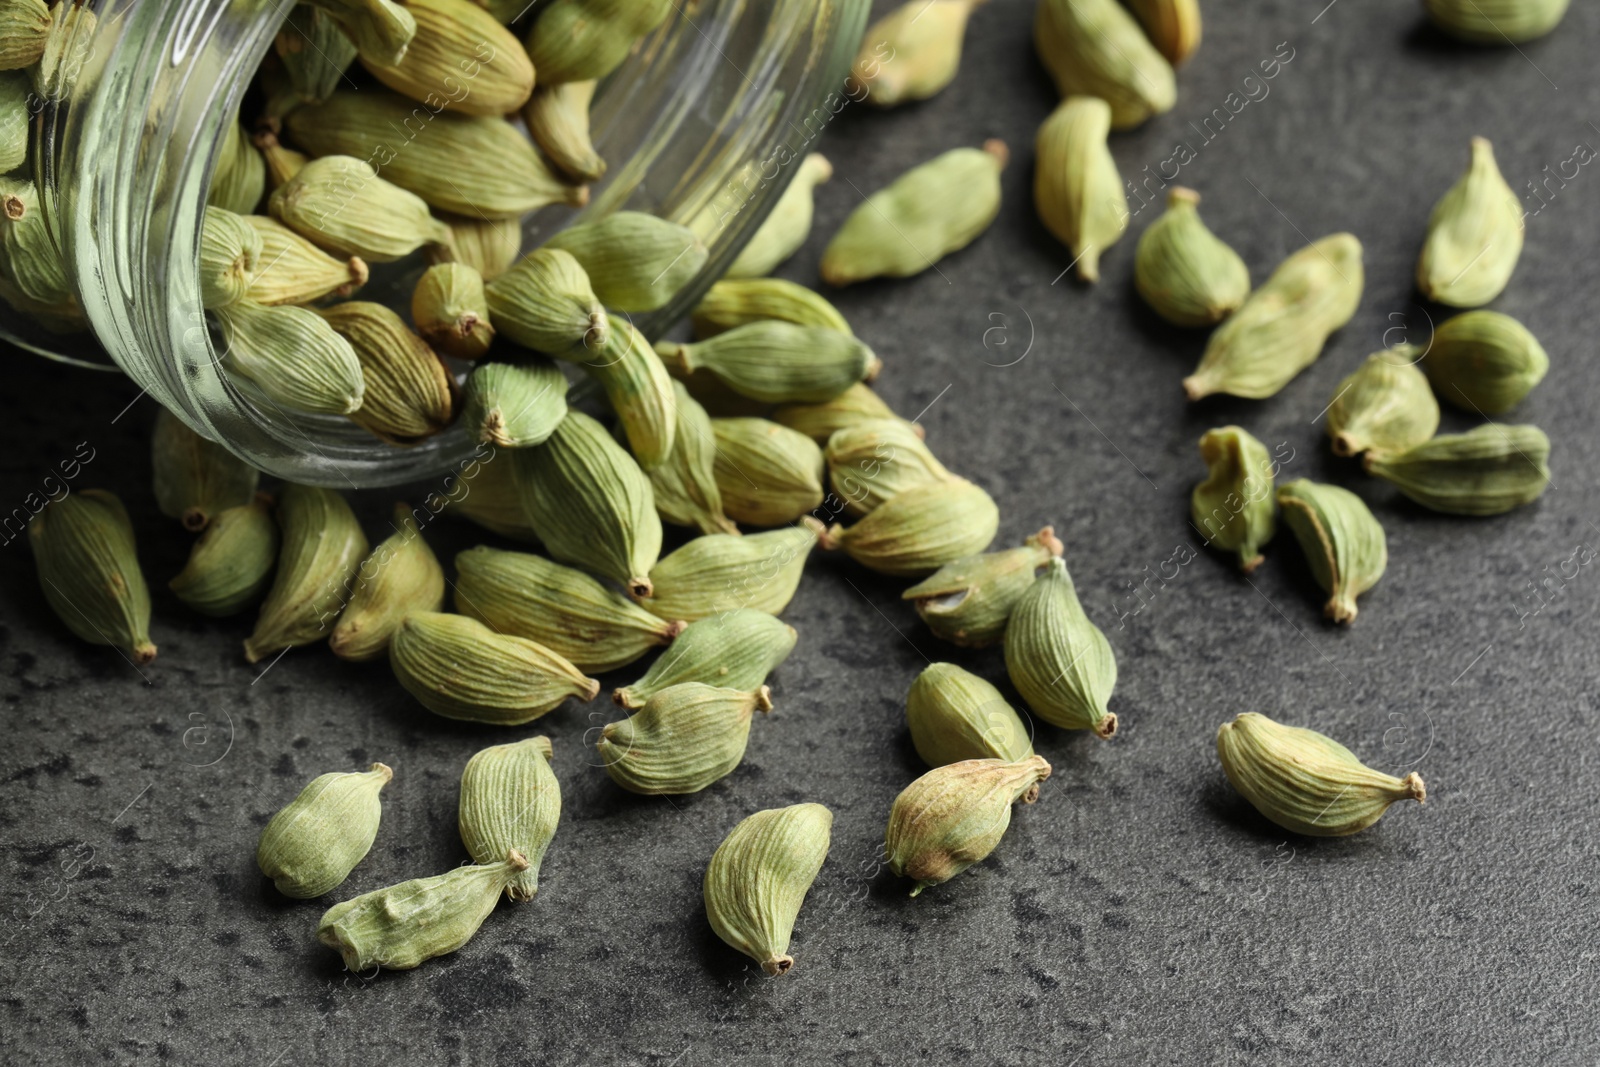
(1140, 913)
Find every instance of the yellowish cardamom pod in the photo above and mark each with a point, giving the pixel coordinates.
(293, 356)
(1485, 361)
(292, 270)
(1342, 540)
(322, 548)
(1474, 236)
(734, 650)
(489, 246)
(316, 52)
(282, 163)
(451, 311)
(310, 847)
(194, 478)
(1173, 26)
(685, 483)
(759, 876)
(822, 419)
(513, 405)
(954, 715)
(15, 116)
(241, 174)
(776, 362)
(788, 225)
(558, 118)
(381, 29)
(955, 815)
(546, 303)
(230, 254)
(919, 530)
(341, 204)
(969, 601)
(89, 571)
(638, 388)
(29, 256)
(1076, 188)
(401, 576)
(461, 59)
(719, 573)
(1184, 271)
(912, 52)
(636, 262)
(768, 475)
(735, 302)
(1096, 48)
(1060, 662)
(511, 802)
(1496, 21)
(407, 395)
(874, 461)
(1486, 471)
(230, 565)
(24, 28)
(1385, 406)
(685, 738)
(1234, 509)
(581, 40)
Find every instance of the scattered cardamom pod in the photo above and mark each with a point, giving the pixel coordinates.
(230, 565)
(777, 362)
(821, 420)
(1385, 406)
(1474, 236)
(24, 28)
(787, 226)
(1342, 540)
(954, 715)
(230, 253)
(872, 462)
(719, 573)
(511, 802)
(759, 876)
(912, 52)
(88, 568)
(1096, 48)
(489, 497)
(1184, 271)
(15, 117)
(1060, 662)
(458, 42)
(682, 740)
(955, 815)
(1485, 361)
(381, 29)
(342, 205)
(734, 302)
(582, 40)
(1076, 187)
(636, 262)
(1234, 509)
(489, 246)
(919, 530)
(1485, 471)
(451, 311)
(639, 390)
(321, 550)
(316, 53)
(969, 601)
(401, 576)
(1173, 26)
(29, 256)
(293, 355)
(310, 847)
(685, 483)
(407, 394)
(292, 270)
(1509, 22)
(558, 118)
(513, 405)
(545, 303)
(768, 475)
(733, 649)
(1305, 782)
(194, 478)
(240, 177)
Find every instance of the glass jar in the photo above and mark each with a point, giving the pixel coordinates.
(701, 126)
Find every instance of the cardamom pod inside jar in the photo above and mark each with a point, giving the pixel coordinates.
(234, 204)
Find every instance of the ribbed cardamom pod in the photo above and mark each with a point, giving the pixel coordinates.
(1385, 406)
(491, 499)
(732, 649)
(459, 668)
(1496, 21)
(735, 302)
(506, 179)
(29, 256)
(68, 46)
(1485, 362)
(1060, 662)
(292, 270)
(282, 163)
(969, 601)
(546, 303)
(759, 876)
(407, 394)
(513, 405)
(293, 355)
(789, 224)
(1305, 782)
(315, 52)
(768, 475)
(561, 608)
(590, 503)
(1485, 471)
(714, 395)
(1281, 327)
(1172, 25)
(401, 576)
(230, 253)
(721, 572)
(1474, 236)
(230, 565)
(558, 118)
(581, 40)
(194, 478)
(381, 29)
(461, 59)
(930, 211)
(685, 738)
(310, 847)
(1186, 272)
(954, 715)
(321, 550)
(489, 246)
(636, 262)
(240, 177)
(1234, 509)
(451, 311)
(1341, 538)
(777, 362)
(1096, 48)
(1076, 188)
(15, 116)
(955, 815)
(638, 388)
(685, 483)
(63, 317)
(821, 420)
(874, 461)
(510, 801)
(912, 52)
(24, 28)
(89, 571)
(919, 530)
(341, 204)
(402, 925)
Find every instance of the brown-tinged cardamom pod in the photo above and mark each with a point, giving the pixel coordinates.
(955, 815)
(451, 311)
(407, 394)
(89, 571)
(1172, 25)
(321, 549)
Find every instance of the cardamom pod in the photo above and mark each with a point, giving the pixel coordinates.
(718, 573)
(230, 566)
(451, 311)
(89, 571)
(458, 42)
(1385, 406)
(513, 405)
(29, 256)
(558, 118)
(685, 483)
(714, 395)
(64, 316)
(636, 262)
(1234, 509)
(240, 176)
(1184, 271)
(734, 302)
(293, 356)
(1496, 21)
(24, 28)
(511, 802)
(1342, 540)
(292, 270)
(954, 715)
(1060, 662)
(1485, 471)
(15, 117)
(67, 47)
(1484, 361)
(282, 163)
(581, 40)
(490, 497)
(407, 394)
(927, 213)
(1096, 48)
(732, 649)
(759, 876)
(1076, 188)
(1474, 236)
(321, 550)
(969, 601)
(459, 668)
(1173, 26)
(787, 226)
(342, 205)
(777, 362)
(489, 246)
(401, 576)
(381, 29)
(685, 738)
(194, 478)
(955, 815)
(912, 52)
(310, 847)
(821, 420)
(230, 253)
(316, 53)
(545, 303)
(1305, 782)
(638, 388)
(874, 461)
(768, 475)
(919, 530)
(1281, 327)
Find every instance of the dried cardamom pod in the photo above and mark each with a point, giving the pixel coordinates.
(341, 204)
(69, 44)
(718, 573)
(1506, 22)
(510, 802)
(282, 163)
(1172, 25)
(955, 815)
(293, 355)
(489, 246)
(15, 92)
(1474, 236)
(1234, 509)
(638, 388)
(407, 396)
(558, 118)
(562, 609)
(768, 475)
(401, 576)
(685, 738)
(29, 256)
(459, 668)
(89, 571)
(1186, 272)
(230, 253)
(315, 52)
(1342, 540)
(927, 213)
(787, 226)
(921, 529)
(582, 40)
(456, 38)
(513, 405)
(821, 420)
(734, 302)
(489, 497)
(874, 461)
(1096, 48)
(777, 362)
(240, 177)
(636, 262)
(451, 311)
(194, 478)
(1060, 662)
(1305, 782)
(546, 303)
(732, 649)
(714, 395)
(230, 566)
(1281, 327)
(292, 270)
(310, 847)
(912, 52)
(1486, 471)
(969, 601)
(954, 715)
(1076, 188)
(321, 551)
(1385, 406)
(24, 28)
(685, 483)
(381, 29)
(61, 317)
(759, 876)
(1485, 361)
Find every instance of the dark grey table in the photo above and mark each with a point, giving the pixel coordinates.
(1141, 912)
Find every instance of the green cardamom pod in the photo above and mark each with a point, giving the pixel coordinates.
(401, 576)
(342, 205)
(29, 256)
(1096, 48)
(293, 355)
(759, 876)
(1173, 26)
(513, 405)
(60, 317)
(511, 802)
(558, 118)
(311, 846)
(1186, 272)
(451, 310)
(1234, 509)
(969, 601)
(1076, 187)
(407, 394)
(685, 483)
(735, 302)
(89, 571)
(1385, 406)
(636, 262)
(1485, 471)
(930, 211)
(954, 715)
(1496, 21)
(489, 496)
(685, 738)
(912, 52)
(1474, 236)
(230, 254)
(1342, 540)
(15, 117)
(561, 608)
(872, 462)
(545, 303)
(787, 226)
(639, 390)
(459, 668)
(1281, 327)
(1484, 361)
(919, 530)
(24, 28)
(719, 573)
(458, 42)
(316, 53)
(292, 270)
(581, 40)
(714, 395)
(196, 478)
(1305, 782)
(230, 566)
(1060, 662)
(381, 29)
(955, 815)
(240, 177)
(489, 246)
(282, 163)
(732, 649)
(768, 475)
(821, 420)
(321, 550)
(777, 362)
